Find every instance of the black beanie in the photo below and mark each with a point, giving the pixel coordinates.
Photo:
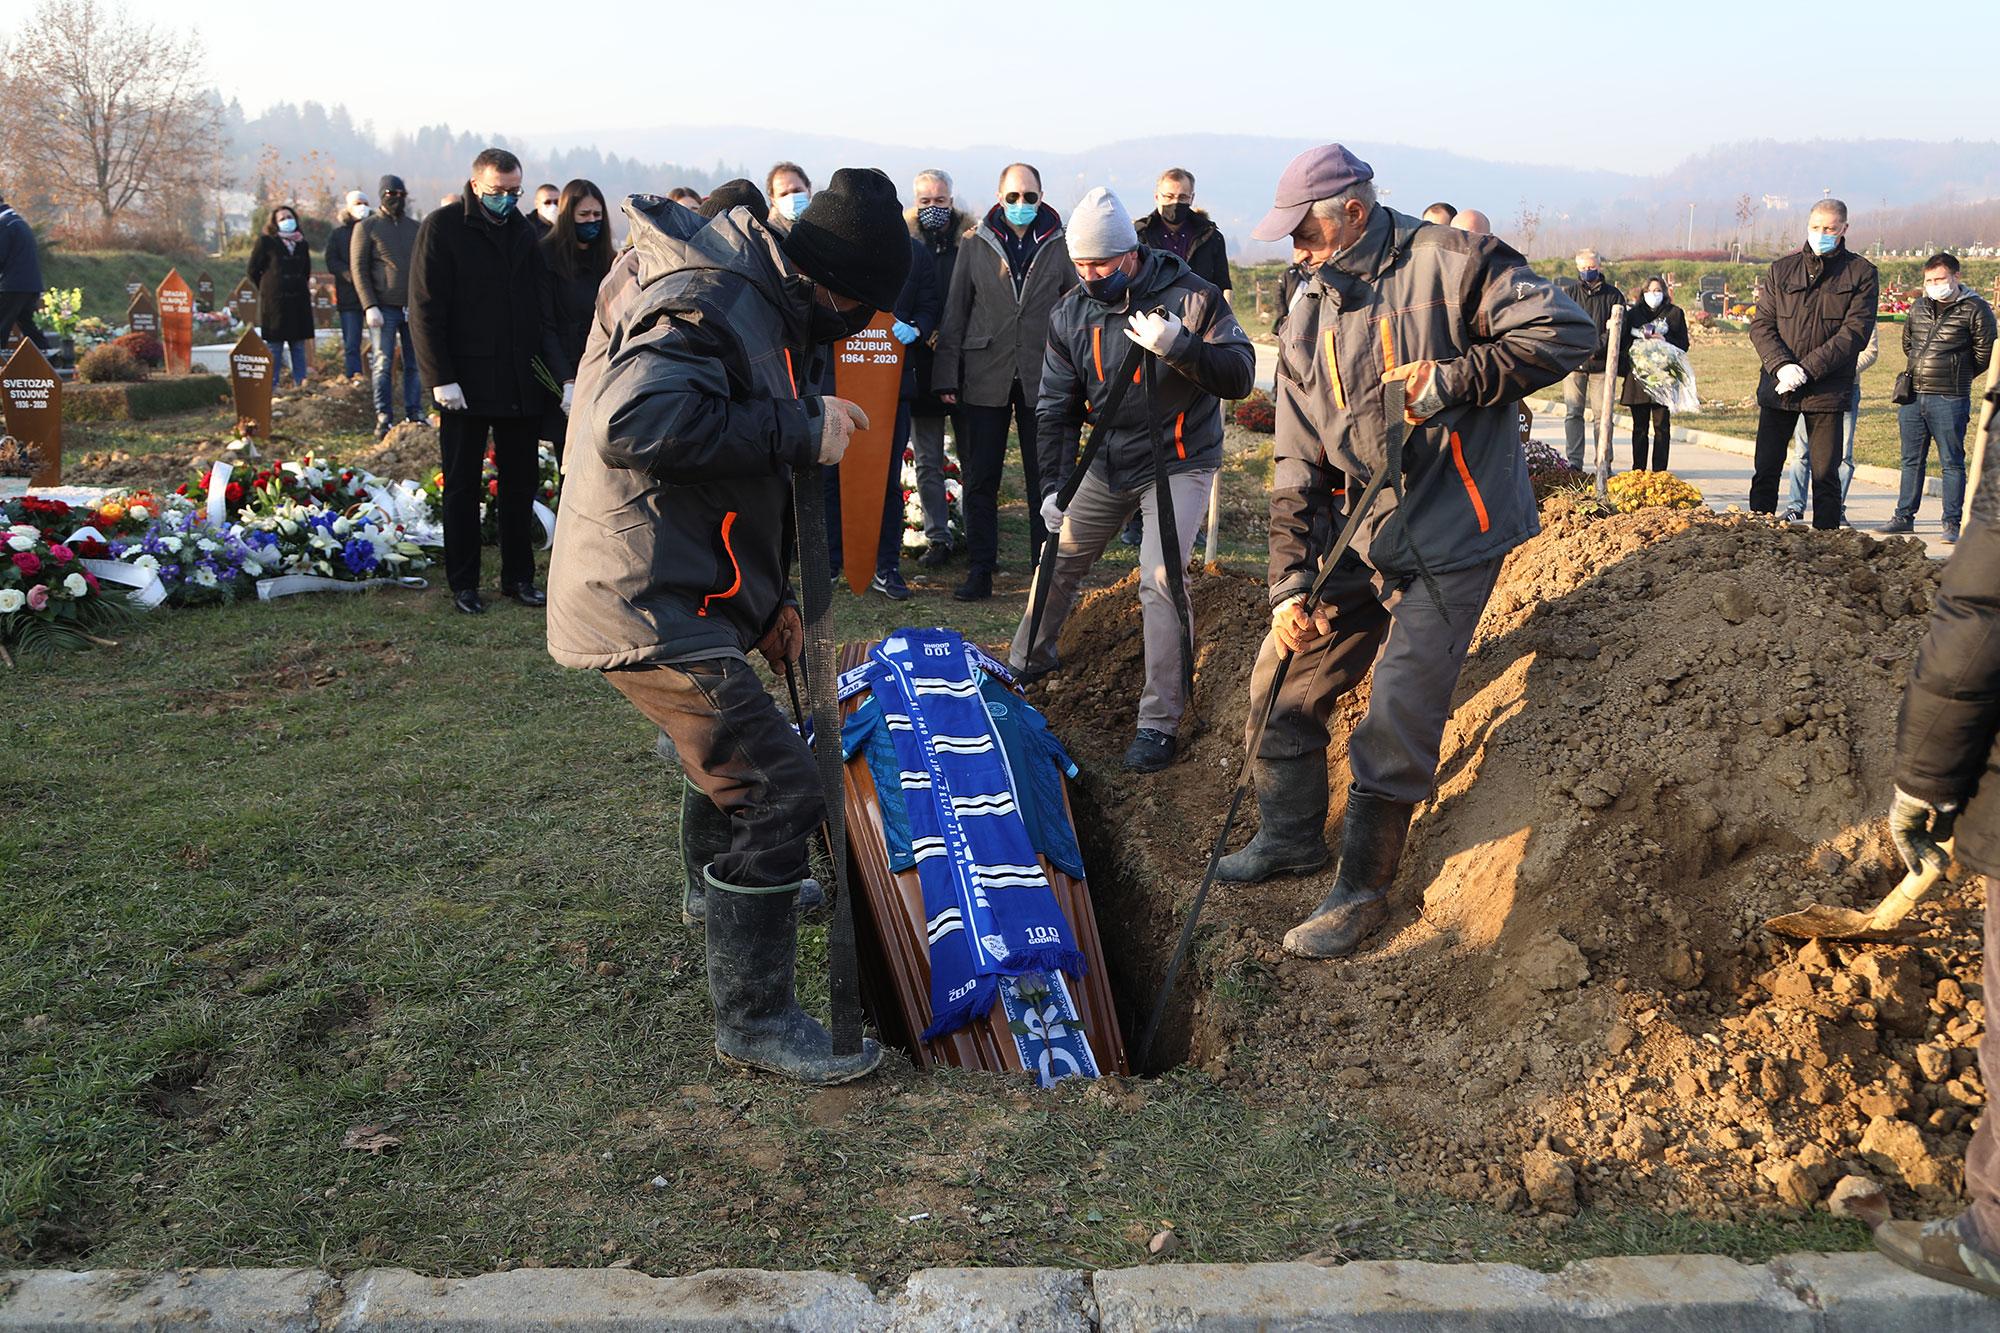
(738, 193)
(852, 238)
(388, 183)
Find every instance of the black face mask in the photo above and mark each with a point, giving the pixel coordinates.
(1171, 214)
(393, 207)
(830, 325)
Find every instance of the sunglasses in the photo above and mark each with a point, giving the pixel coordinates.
(1021, 197)
(393, 194)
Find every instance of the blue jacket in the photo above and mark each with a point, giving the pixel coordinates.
(20, 261)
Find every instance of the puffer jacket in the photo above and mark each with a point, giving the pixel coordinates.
(1948, 343)
(992, 336)
(1818, 312)
(1211, 359)
(1497, 331)
(676, 517)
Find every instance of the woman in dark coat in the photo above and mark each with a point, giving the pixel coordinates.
(1652, 315)
(579, 253)
(281, 266)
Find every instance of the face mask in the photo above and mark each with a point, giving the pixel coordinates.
(1656, 299)
(392, 207)
(791, 205)
(830, 325)
(1109, 289)
(934, 217)
(1022, 215)
(499, 205)
(548, 212)
(1938, 291)
(589, 231)
(1171, 214)
(288, 225)
(1823, 242)
(1592, 274)
(360, 211)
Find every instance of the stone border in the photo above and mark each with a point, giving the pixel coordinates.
(1675, 1293)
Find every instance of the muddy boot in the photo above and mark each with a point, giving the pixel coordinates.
(1371, 843)
(705, 836)
(753, 936)
(1291, 832)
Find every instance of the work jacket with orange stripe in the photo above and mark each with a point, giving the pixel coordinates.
(1210, 359)
(1413, 291)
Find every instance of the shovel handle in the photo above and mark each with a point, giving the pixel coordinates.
(1891, 910)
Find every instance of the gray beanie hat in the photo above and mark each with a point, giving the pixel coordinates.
(1099, 227)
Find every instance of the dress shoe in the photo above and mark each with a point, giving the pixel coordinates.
(468, 602)
(527, 594)
(978, 586)
(935, 554)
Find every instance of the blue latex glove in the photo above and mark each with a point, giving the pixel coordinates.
(905, 333)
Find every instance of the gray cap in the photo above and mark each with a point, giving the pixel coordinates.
(1099, 227)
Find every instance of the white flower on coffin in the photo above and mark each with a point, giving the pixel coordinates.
(138, 513)
(75, 586)
(205, 546)
(173, 544)
(11, 600)
(204, 576)
(21, 542)
(149, 563)
(341, 527)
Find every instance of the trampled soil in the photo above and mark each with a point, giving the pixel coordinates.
(1673, 725)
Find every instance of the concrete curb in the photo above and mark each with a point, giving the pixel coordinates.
(1675, 1293)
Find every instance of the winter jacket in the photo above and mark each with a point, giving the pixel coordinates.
(1211, 359)
(283, 278)
(1671, 324)
(569, 306)
(1816, 311)
(1948, 736)
(1497, 331)
(476, 309)
(676, 514)
(1948, 343)
(20, 260)
(339, 255)
(1598, 300)
(942, 247)
(1207, 252)
(992, 338)
(379, 259)
(921, 305)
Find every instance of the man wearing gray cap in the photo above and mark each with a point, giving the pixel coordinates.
(1403, 356)
(1131, 302)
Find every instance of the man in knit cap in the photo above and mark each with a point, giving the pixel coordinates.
(380, 251)
(1131, 303)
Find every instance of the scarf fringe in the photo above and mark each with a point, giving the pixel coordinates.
(968, 1010)
(1054, 959)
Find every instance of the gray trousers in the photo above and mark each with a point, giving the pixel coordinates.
(1393, 752)
(1577, 386)
(927, 442)
(1095, 515)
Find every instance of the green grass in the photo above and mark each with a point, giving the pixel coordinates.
(102, 274)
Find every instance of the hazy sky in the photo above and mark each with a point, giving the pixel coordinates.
(1631, 87)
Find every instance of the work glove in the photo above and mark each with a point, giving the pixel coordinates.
(1052, 512)
(905, 333)
(569, 395)
(1918, 827)
(450, 397)
(374, 317)
(839, 419)
(1423, 397)
(1154, 330)
(1791, 378)
(1294, 627)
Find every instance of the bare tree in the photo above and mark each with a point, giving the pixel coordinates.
(1527, 224)
(103, 111)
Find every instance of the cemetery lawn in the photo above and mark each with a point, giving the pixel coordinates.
(355, 868)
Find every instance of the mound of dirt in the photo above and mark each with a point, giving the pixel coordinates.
(1672, 726)
(409, 450)
(157, 469)
(328, 405)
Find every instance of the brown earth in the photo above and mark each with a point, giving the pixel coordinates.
(1672, 726)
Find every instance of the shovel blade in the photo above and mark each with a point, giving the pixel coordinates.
(1828, 923)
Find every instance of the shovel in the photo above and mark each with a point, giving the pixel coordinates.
(1820, 922)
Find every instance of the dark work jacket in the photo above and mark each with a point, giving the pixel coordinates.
(921, 305)
(476, 309)
(20, 261)
(339, 252)
(1948, 344)
(1817, 312)
(1211, 359)
(1673, 327)
(1598, 300)
(284, 289)
(1208, 253)
(942, 248)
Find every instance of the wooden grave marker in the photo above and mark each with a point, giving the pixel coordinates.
(204, 294)
(176, 301)
(326, 309)
(143, 315)
(31, 395)
(253, 373)
(133, 288)
(867, 371)
(243, 303)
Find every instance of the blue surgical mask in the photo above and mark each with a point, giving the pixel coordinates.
(589, 231)
(1022, 215)
(791, 205)
(1109, 289)
(1822, 242)
(499, 205)
(288, 225)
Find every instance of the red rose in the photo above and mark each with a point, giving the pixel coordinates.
(493, 486)
(28, 563)
(90, 579)
(233, 492)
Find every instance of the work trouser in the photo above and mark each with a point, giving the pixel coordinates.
(927, 440)
(738, 750)
(1416, 653)
(983, 459)
(1774, 436)
(1798, 473)
(462, 442)
(1940, 418)
(1577, 386)
(1095, 514)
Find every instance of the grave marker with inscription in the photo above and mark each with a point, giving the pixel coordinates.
(252, 375)
(204, 294)
(31, 396)
(243, 303)
(143, 315)
(177, 322)
(867, 371)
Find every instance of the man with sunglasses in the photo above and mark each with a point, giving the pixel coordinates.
(989, 355)
(475, 307)
(378, 254)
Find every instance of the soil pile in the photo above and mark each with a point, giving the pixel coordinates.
(1673, 725)
(327, 405)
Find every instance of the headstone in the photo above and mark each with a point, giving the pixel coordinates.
(243, 303)
(133, 288)
(326, 311)
(867, 371)
(252, 374)
(204, 294)
(143, 315)
(31, 395)
(176, 322)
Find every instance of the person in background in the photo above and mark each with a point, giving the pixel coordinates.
(738, 193)
(789, 189)
(990, 353)
(281, 268)
(685, 197)
(447, 200)
(936, 223)
(919, 306)
(1798, 471)
(379, 267)
(1653, 316)
(1441, 213)
(20, 277)
(1472, 220)
(1599, 298)
(1947, 341)
(547, 200)
(339, 261)
(578, 253)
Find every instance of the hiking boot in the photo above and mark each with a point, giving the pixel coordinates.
(978, 586)
(1371, 844)
(753, 937)
(1291, 830)
(1898, 524)
(889, 583)
(705, 836)
(935, 554)
(1950, 537)
(1150, 751)
(1941, 1250)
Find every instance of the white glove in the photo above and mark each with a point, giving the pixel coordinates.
(1153, 331)
(374, 317)
(569, 396)
(839, 419)
(1052, 512)
(450, 397)
(1791, 378)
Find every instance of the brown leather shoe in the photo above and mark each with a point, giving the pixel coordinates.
(1940, 1252)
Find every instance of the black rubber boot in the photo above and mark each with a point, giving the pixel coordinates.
(1291, 833)
(1371, 845)
(705, 836)
(753, 939)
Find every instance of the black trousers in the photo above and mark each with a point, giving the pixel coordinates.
(984, 460)
(1656, 420)
(1824, 443)
(737, 749)
(462, 441)
(18, 308)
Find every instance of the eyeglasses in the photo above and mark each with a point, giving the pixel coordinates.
(1021, 197)
(500, 194)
